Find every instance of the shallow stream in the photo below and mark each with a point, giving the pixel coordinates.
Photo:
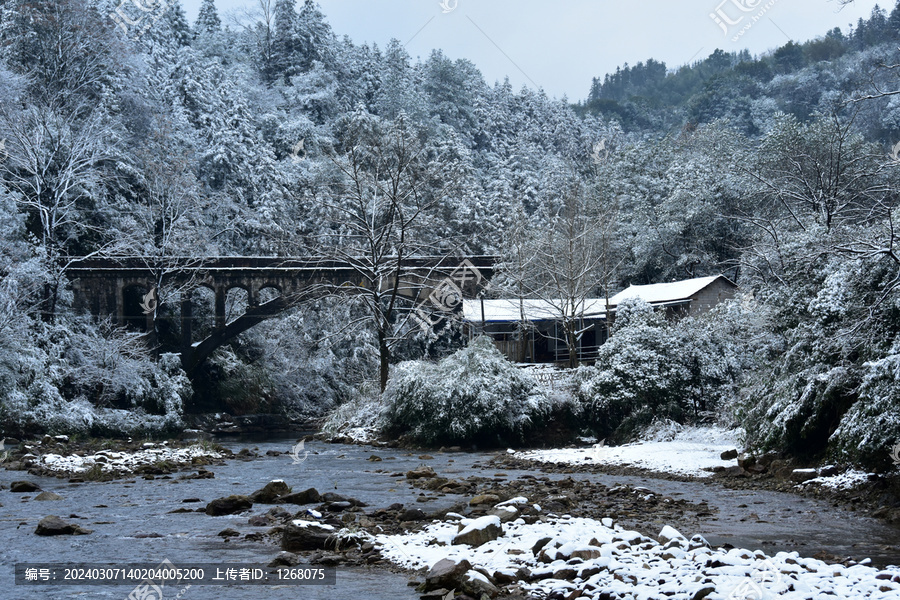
(121, 514)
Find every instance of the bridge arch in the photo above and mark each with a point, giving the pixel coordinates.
(272, 285)
(237, 301)
(132, 314)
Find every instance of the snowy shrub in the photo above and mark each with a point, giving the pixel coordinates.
(831, 389)
(871, 427)
(68, 378)
(473, 396)
(304, 364)
(361, 417)
(655, 369)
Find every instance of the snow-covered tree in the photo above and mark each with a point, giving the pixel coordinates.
(207, 19)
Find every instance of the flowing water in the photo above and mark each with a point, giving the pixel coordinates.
(121, 514)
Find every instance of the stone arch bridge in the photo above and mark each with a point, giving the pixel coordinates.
(125, 288)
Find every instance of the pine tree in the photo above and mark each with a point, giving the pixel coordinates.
(180, 26)
(894, 22)
(285, 46)
(208, 19)
(317, 42)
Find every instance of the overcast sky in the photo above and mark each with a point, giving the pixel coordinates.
(561, 45)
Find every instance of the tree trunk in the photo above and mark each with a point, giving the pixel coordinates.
(572, 343)
(384, 356)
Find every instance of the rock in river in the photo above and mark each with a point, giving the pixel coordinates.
(21, 487)
(302, 535)
(53, 525)
(47, 496)
(228, 505)
(310, 496)
(271, 493)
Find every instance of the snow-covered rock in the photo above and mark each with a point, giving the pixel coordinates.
(479, 531)
(601, 561)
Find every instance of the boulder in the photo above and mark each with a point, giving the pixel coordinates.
(310, 496)
(53, 525)
(484, 499)
(704, 592)
(227, 533)
(23, 487)
(332, 497)
(299, 536)
(506, 513)
(228, 505)
(285, 559)
(477, 585)
(260, 521)
(271, 492)
(698, 541)
(586, 553)
(480, 531)
(669, 534)
(412, 514)
(423, 472)
(746, 460)
(801, 475)
(734, 471)
(729, 455)
(446, 574)
(48, 496)
(539, 545)
(278, 514)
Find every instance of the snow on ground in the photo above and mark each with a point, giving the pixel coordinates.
(601, 558)
(844, 481)
(691, 451)
(123, 462)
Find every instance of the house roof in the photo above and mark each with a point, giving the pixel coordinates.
(508, 310)
(665, 293)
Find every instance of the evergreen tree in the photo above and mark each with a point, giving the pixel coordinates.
(208, 19)
(893, 23)
(285, 45)
(315, 39)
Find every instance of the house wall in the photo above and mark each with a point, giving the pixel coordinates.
(718, 291)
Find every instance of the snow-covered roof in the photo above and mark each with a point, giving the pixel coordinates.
(663, 293)
(507, 310)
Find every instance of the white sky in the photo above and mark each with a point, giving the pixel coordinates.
(561, 45)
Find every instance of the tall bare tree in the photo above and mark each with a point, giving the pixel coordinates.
(567, 260)
(54, 166)
(380, 208)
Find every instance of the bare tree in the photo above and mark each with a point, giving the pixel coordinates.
(380, 209)
(259, 24)
(163, 225)
(823, 181)
(514, 273)
(54, 164)
(568, 259)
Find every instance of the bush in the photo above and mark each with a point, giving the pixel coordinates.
(68, 378)
(830, 389)
(360, 418)
(871, 427)
(473, 396)
(655, 369)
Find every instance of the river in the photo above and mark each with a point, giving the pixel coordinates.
(121, 514)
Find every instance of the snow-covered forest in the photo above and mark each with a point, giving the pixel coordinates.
(275, 135)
